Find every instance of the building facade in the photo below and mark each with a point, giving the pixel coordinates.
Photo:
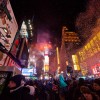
(8, 30)
(89, 55)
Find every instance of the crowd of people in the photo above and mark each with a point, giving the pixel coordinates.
(20, 88)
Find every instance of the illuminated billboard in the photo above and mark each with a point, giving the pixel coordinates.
(96, 69)
(27, 72)
(8, 28)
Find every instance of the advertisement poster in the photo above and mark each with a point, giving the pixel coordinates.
(8, 27)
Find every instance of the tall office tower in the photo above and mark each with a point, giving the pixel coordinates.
(68, 41)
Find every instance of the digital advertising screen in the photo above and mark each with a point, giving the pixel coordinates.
(27, 72)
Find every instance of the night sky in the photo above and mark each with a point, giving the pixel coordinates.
(49, 15)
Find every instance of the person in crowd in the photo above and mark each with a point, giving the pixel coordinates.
(72, 84)
(16, 89)
(87, 94)
(40, 90)
(30, 85)
(62, 87)
(55, 88)
(77, 92)
(96, 86)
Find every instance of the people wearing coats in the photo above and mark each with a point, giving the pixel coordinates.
(16, 90)
(62, 87)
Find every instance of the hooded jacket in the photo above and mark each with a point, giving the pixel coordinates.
(20, 92)
(62, 82)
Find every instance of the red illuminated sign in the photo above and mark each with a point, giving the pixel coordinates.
(96, 69)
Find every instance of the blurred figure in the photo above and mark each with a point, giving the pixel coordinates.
(30, 85)
(96, 86)
(16, 82)
(87, 94)
(63, 87)
(77, 92)
(55, 93)
(16, 89)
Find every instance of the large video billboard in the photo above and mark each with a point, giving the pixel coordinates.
(8, 27)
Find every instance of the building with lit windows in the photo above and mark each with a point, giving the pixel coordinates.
(69, 40)
(85, 59)
(89, 56)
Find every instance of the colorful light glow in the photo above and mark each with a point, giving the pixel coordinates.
(75, 62)
(23, 30)
(43, 46)
(46, 68)
(96, 69)
(58, 60)
(46, 60)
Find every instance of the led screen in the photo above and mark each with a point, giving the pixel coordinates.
(27, 72)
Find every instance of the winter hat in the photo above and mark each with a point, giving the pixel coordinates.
(97, 81)
(85, 89)
(81, 81)
(18, 79)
